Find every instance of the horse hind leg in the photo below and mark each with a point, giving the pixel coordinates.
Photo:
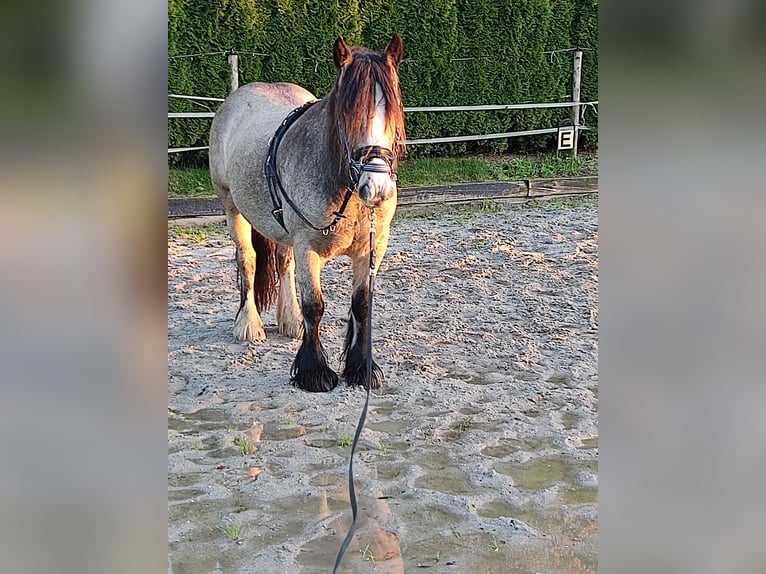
(247, 324)
(289, 318)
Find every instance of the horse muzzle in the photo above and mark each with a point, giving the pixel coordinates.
(374, 168)
(375, 188)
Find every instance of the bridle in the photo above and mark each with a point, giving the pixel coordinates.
(358, 160)
(361, 159)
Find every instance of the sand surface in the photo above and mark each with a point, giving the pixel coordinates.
(480, 453)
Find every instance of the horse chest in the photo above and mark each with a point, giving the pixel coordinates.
(335, 243)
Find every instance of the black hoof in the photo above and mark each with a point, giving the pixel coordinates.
(356, 375)
(320, 379)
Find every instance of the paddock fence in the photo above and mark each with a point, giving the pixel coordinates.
(580, 109)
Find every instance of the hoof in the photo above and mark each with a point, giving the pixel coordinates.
(289, 319)
(316, 380)
(294, 330)
(248, 328)
(357, 376)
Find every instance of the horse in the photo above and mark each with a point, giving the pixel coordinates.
(302, 181)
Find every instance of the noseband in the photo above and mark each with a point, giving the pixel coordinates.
(358, 162)
(361, 160)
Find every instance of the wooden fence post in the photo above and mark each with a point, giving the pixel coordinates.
(234, 61)
(577, 74)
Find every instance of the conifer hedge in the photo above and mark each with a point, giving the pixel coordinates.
(457, 52)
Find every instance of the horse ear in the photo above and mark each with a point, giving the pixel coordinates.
(341, 54)
(394, 51)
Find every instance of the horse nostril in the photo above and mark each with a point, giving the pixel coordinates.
(374, 191)
(368, 198)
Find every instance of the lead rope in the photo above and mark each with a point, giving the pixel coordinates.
(363, 417)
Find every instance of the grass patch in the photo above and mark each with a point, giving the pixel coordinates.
(192, 182)
(196, 233)
(546, 166)
(232, 532)
(245, 446)
(435, 559)
(367, 554)
(437, 171)
(432, 171)
(192, 233)
(344, 441)
(564, 203)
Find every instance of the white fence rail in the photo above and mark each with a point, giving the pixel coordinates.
(415, 109)
(191, 114)
(203, 98)
(497, 107)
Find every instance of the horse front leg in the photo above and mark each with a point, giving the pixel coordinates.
(357, 336)
(310, 371)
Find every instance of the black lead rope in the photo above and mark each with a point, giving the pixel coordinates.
(363, 417)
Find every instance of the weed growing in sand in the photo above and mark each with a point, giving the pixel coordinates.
(367, 554)
(429, 564)
(464, 424)
(192, 233)
(197, 233)
(490, 206)
(344, 441)
(232, 532)
(590, 200)
(383, 450)
(246, 446)
(455, 533)
(291, 420)
(493, 545)
(462, 216)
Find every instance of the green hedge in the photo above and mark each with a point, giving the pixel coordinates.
(457, 52)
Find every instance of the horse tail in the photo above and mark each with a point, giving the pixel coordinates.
(265, 281)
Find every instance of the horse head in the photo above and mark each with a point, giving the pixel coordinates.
(367, 104)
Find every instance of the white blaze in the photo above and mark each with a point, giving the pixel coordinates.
(375, 133)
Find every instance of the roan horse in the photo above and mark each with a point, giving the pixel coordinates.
(303, 187)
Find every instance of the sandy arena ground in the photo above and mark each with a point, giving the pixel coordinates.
(480, 454)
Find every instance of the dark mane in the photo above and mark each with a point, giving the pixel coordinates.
(352, 100)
